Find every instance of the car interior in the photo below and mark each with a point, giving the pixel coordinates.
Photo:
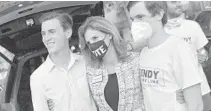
(26, 42)
(24, 93)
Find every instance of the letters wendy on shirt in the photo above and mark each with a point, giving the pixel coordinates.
(99, 51)
(152, 77)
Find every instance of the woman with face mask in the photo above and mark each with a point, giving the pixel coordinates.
(113, 73)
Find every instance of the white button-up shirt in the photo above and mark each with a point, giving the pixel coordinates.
(68, 90)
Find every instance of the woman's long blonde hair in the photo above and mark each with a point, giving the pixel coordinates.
(101, 24)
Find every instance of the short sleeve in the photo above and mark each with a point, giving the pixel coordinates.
(37, 93)
(201, 39)
(185, 66)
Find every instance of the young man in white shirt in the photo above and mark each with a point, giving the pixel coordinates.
(166, 63)
(191, 32)
(60, 83)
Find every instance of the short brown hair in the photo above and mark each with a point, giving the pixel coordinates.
(154, 7)
(64, 18)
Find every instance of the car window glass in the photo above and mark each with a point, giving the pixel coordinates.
(5, 65)
(4, 69)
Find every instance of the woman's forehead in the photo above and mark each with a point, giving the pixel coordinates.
(90, 33)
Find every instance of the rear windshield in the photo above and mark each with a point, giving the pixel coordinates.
(4, 64)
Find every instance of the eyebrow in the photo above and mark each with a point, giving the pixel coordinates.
(139, 15)
(51, 29)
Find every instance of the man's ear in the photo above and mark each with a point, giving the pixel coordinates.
(160, 15)
(68, 33)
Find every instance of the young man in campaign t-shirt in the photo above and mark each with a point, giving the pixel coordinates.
(166, 63)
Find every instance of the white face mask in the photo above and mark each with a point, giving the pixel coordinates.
(141, 31)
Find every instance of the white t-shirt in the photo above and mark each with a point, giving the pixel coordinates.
(190, 32)
(164, 70)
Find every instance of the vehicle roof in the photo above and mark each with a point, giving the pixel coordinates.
(26, 8)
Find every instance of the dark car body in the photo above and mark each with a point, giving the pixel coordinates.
(20, 35)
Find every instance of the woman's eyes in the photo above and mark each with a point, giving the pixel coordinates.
(94, 38)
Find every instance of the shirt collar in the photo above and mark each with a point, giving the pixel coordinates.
(51, 64)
